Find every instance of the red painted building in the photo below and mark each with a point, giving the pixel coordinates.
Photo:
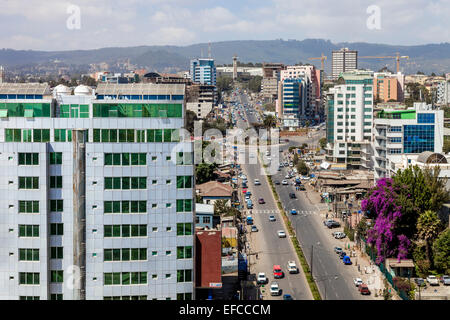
(208, 258)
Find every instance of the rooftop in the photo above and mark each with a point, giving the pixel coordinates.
(140, 89)
(214, 189)
(25, 88)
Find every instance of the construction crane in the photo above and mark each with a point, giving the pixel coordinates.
(397, 58)
(322, 59)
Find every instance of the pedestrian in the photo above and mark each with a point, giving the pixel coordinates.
(256, 256)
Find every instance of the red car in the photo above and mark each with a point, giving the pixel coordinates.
(261, 201)
(363, 289)
(277, 272)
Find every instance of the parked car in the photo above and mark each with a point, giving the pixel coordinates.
(262, 279)
(445, 279)
(287, 297)
(284, 183)
(364, 289)
(287, 176)
(346, 260)
(277, 272)
(281, 234)
(342, 254)
(254, 229)
(293, 212)
(420, 282)
(339, 235)
(337, 250)
(272, 218)
(275, 289)
(277, 183)
(292, 267)
(292, 195)
(432, 280)
(357, 281)
(333, 224)
(261, 201)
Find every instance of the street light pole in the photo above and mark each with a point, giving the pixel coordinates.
(312, 257)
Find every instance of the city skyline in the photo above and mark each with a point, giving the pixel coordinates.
(35, 25)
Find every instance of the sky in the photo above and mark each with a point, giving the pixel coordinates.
(90, 24)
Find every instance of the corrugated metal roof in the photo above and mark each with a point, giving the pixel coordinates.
(140, 89)
(25, 88)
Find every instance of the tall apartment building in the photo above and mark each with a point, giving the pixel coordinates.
(404, 134)
(349, 110)
(343, 60)
(292, 101)
(443, 91)
(388, 87)
(95, 184)
(203, 71)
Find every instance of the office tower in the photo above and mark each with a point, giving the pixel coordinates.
(388, 87)
(96, 185)
(203, 71)
(343, 60)
(292, 99)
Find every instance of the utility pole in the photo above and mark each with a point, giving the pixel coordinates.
(312, 256)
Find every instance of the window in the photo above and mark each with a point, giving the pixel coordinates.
(125, 159)
(56, 276)
(124, 278)
(60, 135)
(56, 205)
(184, 296)
(184, 182)
(395, 140)
(425, 118)
(13, 135)
(184, 205)
(29, 298)
(55, 157)
(56, 296)
(28, 254)
(125, 183)
(395, 129)
(418, 138)
(56, 229)
(125, 254)
(394, 151)
(184, 229)
(29, 278)
(41, 135)
(184, 275)
(28, 182)
(56, 252)
(184, 252)
(28, 230)
(28, 159)
(125, 231)
(125, 207)
(26, 206)
(55, 182)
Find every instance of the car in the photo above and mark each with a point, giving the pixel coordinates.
(272, 218)
(281, 234)
(287, 176)
(346, 260)
(277, 272)
(332, 224)
(254, 228)
(420, 282)
(291, 164)
(275, 289)
(257, 182)
(342, 254)
(445, 279)
(339, 235)
(364, 289)
(247, 197)
(432, 280)
(277, 183)
(261, 201)
(327, 221)
(292, 195)
(337, 250)
(287, 297)
(261, 278)
(357, 281)
(293, 212)
(292, 267)
(302, 187)
(284, 182)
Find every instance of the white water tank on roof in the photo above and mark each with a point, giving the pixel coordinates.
(61, 89)
(83, 90)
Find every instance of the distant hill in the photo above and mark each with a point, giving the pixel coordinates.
(427, 58)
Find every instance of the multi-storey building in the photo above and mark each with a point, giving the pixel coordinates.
(343, 60)
(96, 193)
(292, 101)
(443, 91)
(203, 71)
(403, 134)
(388, 87)
(349, 110)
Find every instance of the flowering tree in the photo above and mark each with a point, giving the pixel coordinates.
(382, 205)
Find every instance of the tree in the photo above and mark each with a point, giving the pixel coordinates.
(270, 121)
(437, 187)
(220, 207)
(295, 161)
(428, 227)
(323, 143)
(191, 117)
(269, 107)
(441, 252)
(302, 168)
(204, 172)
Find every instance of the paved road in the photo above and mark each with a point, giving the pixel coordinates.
(271, 249)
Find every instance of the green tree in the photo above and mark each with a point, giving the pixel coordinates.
(204, 172)
(270, 121)
(421, 263)
(302, 168)
(441, 252)
(323, 143)
(295, 160)
(437, 187)
(220, 207)
(428, 227)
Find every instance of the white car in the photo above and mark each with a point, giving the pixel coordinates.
(432, 280)
(257, 183)
(262, 279)
(287, 176)
(357, 281)
(339, 235)
(281, 234)
(272, 218)
(284, 182)
(292, 267)
(274, 289)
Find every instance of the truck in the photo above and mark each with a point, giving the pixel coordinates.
(249, 204)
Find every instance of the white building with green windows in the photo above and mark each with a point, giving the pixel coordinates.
(95, 186)
(349, 123)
